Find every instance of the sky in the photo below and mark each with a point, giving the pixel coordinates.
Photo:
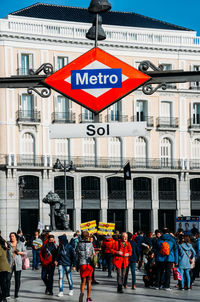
(179, 12)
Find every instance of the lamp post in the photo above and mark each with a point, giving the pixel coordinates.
(59, 166)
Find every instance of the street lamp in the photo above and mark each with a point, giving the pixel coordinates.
(70, 167)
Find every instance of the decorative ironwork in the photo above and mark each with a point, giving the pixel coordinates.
(47, 68)
(145, 65)
(149, 89)
(45, 92)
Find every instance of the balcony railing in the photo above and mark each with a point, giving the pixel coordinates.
(28, 116)
(90, 194)
(194, 123)
(167, 122)
(167, 195)
(195, 195)
(155, 163)
(195, 86)
(30, 160)
(142, 195)
(63, 117)
(109, 118)
(193, 164)
(88, 119)
(148, 119)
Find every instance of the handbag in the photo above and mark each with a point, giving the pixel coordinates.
(192, 261)
(25, 262)
(176, 274)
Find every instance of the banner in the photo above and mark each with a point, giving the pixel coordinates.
(105, 228)
(90, 226)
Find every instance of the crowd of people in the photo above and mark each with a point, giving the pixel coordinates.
(160, 256)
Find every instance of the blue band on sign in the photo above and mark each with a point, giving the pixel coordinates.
(96, 78)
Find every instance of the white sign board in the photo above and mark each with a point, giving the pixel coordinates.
(97, 130)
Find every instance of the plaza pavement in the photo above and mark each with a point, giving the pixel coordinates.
(32, 290)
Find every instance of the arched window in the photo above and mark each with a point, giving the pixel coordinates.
(89, 151)
(140, 147)
(28, 144)
(166, 152)
(115, 150)
(196, 149)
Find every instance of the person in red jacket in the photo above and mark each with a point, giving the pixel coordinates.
(107, 246)
(47, 257)
(122, 251)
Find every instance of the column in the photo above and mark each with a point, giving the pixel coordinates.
(104, 199)
(129, 204)
(155, 204)
(77, 201)
(183, 195)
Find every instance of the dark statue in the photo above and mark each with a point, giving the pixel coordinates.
(58, 218)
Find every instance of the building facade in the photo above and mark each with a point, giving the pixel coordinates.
(165, 163)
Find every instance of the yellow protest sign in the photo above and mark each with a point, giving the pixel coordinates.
(106, 228)
(90, 226)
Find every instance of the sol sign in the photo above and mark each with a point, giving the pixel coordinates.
(96, 80)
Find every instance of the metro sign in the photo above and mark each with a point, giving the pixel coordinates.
(96, 80)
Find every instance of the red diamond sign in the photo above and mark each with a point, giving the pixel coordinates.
(96, 80)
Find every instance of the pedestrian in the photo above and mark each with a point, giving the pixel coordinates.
(107, 245)
(133, 260)
(74, 241)
(122, 251)
(186, 254)
(166, 254)
(16, 252)
(84, 252)
(66, 262)
(47, 258)
(36, 247)
(139, 241)
(4, 269)
(20, 236)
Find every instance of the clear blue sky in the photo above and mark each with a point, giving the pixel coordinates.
(180, 12)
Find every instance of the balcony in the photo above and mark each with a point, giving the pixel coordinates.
(63, 117)
(84, 118)
(148, 119)
(30, 160)
(31, 116)
(195, 86)
(109, 118)
(194, 124)
(167, 122)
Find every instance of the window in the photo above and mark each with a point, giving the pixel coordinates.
(114, 112)
(87, 115)
(26, 64)
(196, 113)
(196, 149)
(89, 147)
(141, 111)
(27, 105)
(140, 147)
(167, 66)
(195, 85)
(28, 149)
(166, 152)
(63, 107)
(61, 62)
(61, 147)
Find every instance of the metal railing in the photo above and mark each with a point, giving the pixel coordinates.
(30, 160)
(29, 193)
(109, 118)
(90, 194)
(194, 164)
(195, 195)
(167, 195)
(194, 123)
(28, 116)
(88, 119)
(61, 194)
(63, 117)
(117, 195)
(142, 195)
(148, 119)
(167, 122)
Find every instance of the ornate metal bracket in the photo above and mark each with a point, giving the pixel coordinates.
(149, 89)
(145, 65)
(47, 68)
(45, 92)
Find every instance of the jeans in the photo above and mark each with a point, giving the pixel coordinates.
(163, 268)
(17, 281)
(36, 258)
(185, 274)
(62, 269)
(47, 277)
(132, 266)
(3, 285)
(108, 258)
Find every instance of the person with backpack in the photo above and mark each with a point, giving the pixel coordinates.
(47, 257)
(122, 251)
(165, 256)
(66, 262)
(107, 244)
